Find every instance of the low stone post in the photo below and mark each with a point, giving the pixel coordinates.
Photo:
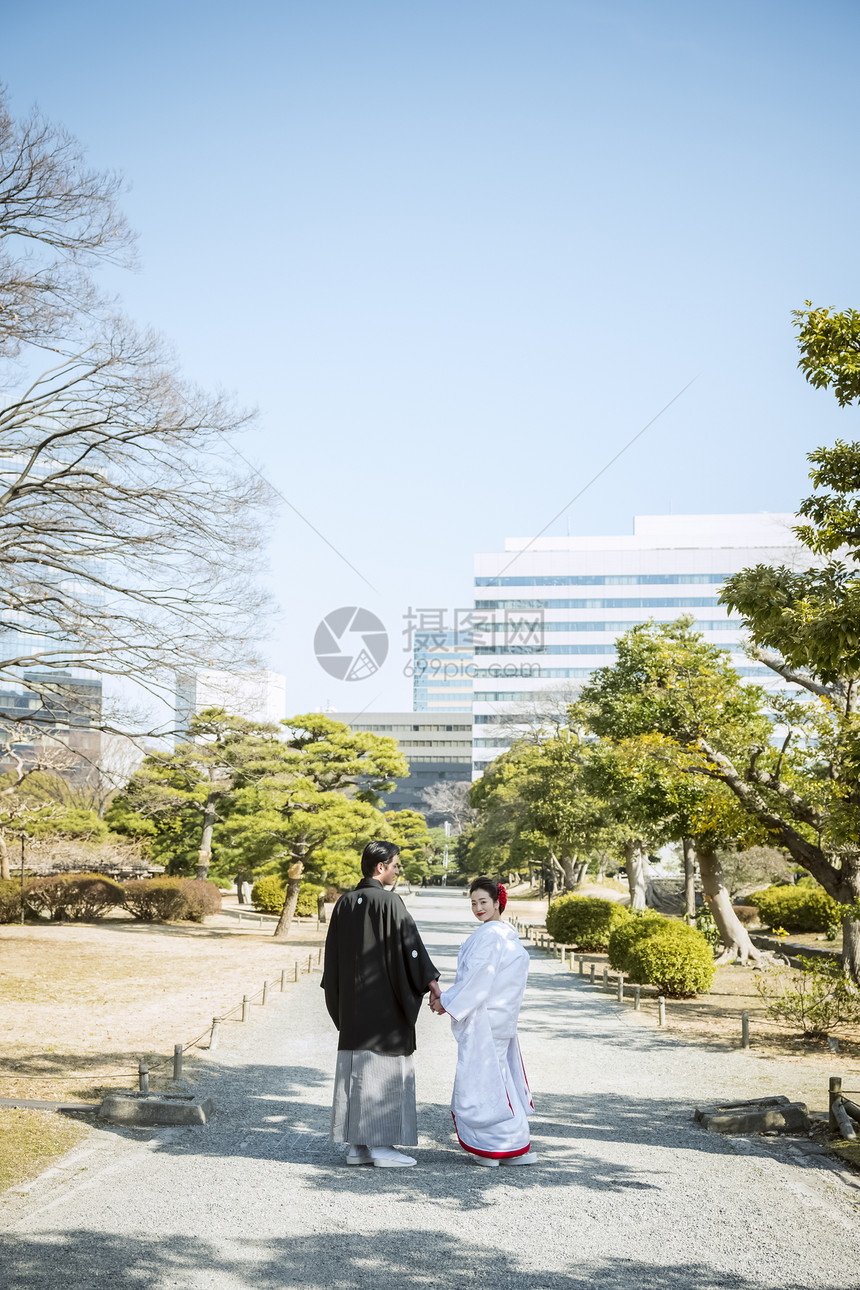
(143, 1077)
(745, 1030)
(319, 954)
(283, 980)
(581, 966)
(296, 970)
(606, 978)
(637, 997)
(593, 966)
(661, 1011)
(265, 993)
(310, 962)
(246, 1007)
(214, 1034)
(177, 1061)
(620, 987)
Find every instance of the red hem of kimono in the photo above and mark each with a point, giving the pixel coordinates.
(489, 1155)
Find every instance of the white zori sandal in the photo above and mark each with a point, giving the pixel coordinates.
(389, 1158)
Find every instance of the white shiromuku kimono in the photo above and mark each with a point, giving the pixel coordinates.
(491, 1101)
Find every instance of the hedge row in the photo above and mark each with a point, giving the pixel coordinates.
(664, 952)
(797, 909)
(584, 921)
(269, 894)
(78, 897)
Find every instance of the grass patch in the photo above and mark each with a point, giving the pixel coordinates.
(848, 1151)
(31, 1140)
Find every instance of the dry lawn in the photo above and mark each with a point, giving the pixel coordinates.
(80, 1004)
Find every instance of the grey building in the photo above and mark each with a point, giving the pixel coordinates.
(437, 745)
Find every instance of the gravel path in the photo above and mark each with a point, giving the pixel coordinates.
(629, 1192)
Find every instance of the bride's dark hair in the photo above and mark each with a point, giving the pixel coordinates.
(488, 885)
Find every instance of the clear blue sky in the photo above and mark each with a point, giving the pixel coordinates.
(459, 252)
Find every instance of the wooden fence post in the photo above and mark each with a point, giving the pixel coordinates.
(637, 997)
(296, 972)
(283, 980)
(745, 1030)
(177, 1061)
(246, 1007)
(265, 993)
(620, 987)
(143, 1077)
(214, 1034)
(661, 1011)
(835, 1095)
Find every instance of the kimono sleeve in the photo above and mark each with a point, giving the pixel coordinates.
(331, 971)
(410, 969)
(476, 977)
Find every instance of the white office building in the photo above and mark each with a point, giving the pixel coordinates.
(552, 607)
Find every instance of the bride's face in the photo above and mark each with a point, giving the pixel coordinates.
(483, 907)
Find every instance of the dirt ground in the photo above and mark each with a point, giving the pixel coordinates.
(81, 1004)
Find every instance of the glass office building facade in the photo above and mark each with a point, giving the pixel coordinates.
(548, 611)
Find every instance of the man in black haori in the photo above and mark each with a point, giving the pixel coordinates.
(376, 974)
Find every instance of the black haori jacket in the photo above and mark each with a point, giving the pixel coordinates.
(376, 971)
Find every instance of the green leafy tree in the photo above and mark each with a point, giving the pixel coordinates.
(184, 793)
(674, 711)
(805, 625)
(318, 790)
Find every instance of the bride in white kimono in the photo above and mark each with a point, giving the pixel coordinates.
(491, 1101)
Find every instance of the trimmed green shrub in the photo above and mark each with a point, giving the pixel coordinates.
(629, 933)
(797, 909)
(10, 901)
(676, 959)
(306, 906)
(200, 899)
(154, 900)
(268, 894)
(72, 896)
(584, 921)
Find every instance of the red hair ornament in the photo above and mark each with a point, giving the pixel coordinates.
(503, 898)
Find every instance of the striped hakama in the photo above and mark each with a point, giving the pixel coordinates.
(374, 1100)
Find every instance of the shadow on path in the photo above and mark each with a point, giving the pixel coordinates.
(405, 1257)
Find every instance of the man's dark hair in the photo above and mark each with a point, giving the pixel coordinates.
(377, 853)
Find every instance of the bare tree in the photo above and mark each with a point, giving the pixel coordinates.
(128, 536)
(450, 798)
(59, 219)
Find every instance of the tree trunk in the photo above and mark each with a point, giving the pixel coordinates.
(204, 855)
(602, 866)
(294, 878)
(321, 916)
(851, 948)
(5, 868)
(689, 880)
(566, 864)
(579, 872)
(733, 934)
(638, 874)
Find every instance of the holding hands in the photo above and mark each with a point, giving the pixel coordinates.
(434, 1003)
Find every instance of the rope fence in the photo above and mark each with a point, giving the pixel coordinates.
(143, 1069)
